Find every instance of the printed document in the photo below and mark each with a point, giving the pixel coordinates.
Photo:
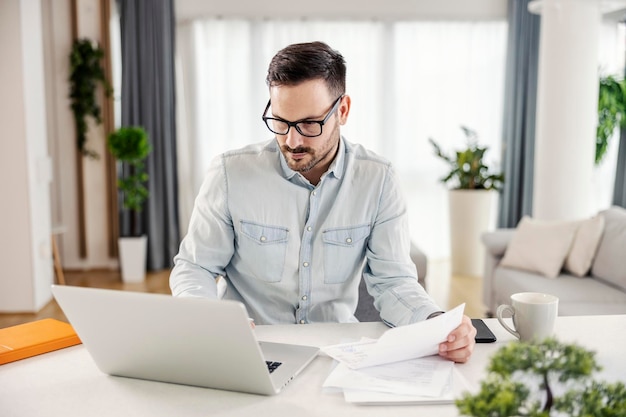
(453, 389)
(400, 343)
(428, 377)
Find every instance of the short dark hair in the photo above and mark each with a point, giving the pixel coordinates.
(301, 62)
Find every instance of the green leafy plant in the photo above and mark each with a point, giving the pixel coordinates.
(517, 369)
(131, 146)
(86, 73)
(467, 168)
(611, 112)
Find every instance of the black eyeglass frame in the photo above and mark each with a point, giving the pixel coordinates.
(289, 124)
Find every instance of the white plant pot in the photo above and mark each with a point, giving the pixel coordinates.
(470, 216)
(133, 258)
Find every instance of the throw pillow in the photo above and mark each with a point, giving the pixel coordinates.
(586, 241)
(610, 261)
(540, 246)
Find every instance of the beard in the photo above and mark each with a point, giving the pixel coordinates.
(304, 164)
(312, 156)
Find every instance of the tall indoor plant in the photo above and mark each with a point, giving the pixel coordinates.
(86, 73)
(472, 195)
(130, 146)
(611, 112)
(467, 167)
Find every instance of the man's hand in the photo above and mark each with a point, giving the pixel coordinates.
(460, 343)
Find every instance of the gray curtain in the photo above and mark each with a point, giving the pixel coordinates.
(148, 100)
(619, 191)
(520, 95)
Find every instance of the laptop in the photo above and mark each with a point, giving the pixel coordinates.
(190, 341)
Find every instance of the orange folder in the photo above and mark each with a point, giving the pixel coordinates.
(34, 338)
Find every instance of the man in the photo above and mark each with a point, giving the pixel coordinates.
(292, 224)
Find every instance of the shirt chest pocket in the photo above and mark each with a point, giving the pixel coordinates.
(344, 251)
(265, 248)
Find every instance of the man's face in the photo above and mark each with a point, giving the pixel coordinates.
(310, 100)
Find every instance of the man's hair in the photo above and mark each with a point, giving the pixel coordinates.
(308, 61)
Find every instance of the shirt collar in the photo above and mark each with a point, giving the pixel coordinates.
(336, 168)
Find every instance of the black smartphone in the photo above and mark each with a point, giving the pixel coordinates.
(483, 334)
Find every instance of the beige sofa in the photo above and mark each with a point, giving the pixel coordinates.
(602, 290)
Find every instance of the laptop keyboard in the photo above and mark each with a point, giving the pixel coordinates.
(271, 366)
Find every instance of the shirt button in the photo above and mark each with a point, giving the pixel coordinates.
(309, 228)
(314, 193)
(263, 238)
(305, 264)
(304, 297)
(301, 321)
(348, 240)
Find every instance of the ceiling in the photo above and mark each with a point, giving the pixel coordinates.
(345, 9)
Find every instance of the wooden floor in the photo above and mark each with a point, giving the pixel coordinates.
(156, 282)
(448, 291)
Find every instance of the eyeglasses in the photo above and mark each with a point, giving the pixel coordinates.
(308, 128)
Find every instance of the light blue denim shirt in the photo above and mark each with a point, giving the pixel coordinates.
(295, 253)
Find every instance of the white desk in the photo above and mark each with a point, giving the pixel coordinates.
(67, 382)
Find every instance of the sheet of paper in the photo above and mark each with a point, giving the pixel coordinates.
(423, 377)
(453, 390)
(400, 343)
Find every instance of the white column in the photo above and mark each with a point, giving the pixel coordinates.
(25, 168)
(567, 100)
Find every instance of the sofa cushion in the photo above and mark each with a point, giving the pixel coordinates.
(585, 245)
(592, 295)
(610, 261)
(591, 309)
(540, 246)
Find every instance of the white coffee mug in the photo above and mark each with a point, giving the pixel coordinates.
(533, 315)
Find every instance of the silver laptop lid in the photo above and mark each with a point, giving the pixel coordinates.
(190, 341)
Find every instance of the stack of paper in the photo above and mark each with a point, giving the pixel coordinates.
(399, 367)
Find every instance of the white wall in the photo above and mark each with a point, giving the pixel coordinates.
(25, 253)
(38, 151)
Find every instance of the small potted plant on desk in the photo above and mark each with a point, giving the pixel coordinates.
(470, 203)
(544, 379)
(130, 146)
